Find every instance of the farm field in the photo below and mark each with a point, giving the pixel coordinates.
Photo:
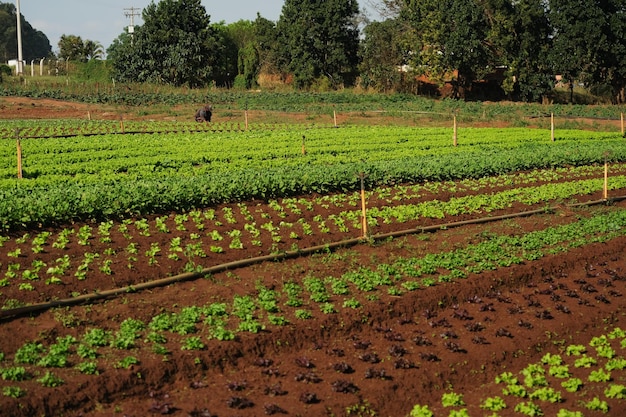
(216, 271)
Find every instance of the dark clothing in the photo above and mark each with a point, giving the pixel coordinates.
(204, 114)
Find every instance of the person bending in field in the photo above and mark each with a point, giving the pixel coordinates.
(204, 114)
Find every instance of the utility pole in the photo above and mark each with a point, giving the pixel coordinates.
(131, 12)
(20, 69)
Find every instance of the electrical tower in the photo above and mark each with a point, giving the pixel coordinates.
(131, 12)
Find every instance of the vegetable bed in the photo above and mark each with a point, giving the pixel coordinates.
(516, 317)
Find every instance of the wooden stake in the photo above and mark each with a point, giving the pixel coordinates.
(363, 209)
(19, 160)
(246, 118)
(623, 132)
(88, 115)
(605, 193)
(19, 154)
(122, 123)
(552, 126)
(335, 117)
(303, 148)
(454, 132)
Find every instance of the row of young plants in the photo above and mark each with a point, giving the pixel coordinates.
(263, 147)
(193, 328)
(49, 129)
(81, 178)
(547, 380)
(38, 259)
(142, 95)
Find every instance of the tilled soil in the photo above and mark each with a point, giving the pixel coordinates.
(385, 357)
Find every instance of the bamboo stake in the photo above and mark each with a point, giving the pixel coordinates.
(552, 126)
(303, 148)
(454, 132)
(335, 117)
(88, 115)
(122, 123)
(363, 209)
(246, 118)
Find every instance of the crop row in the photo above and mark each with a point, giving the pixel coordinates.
(142, 95)
(117, 175)
(181, 242)
(193, 327)
(25, 129)
(546, 380)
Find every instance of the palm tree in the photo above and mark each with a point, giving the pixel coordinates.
(93, 50)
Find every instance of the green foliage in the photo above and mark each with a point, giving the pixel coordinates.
(421, 411)
(327, 308)
(29, 353)
(493, 404)
(529, 408)
(50, 380)
(615, 363)
(127, 334)
(589, 42)
(13, 391)
(534, 376)
(333, 54)
(97, 337)
(88, 368)
(615, 391)
(559, 371)
(35, 46)
(73, 48)
(596, 404)
(175, 45)
(175, 189)
(599, 375)
(452, 399)
(566, 413)
(192, 343)
(127, 362)
(585, 362)
(575, 350)
(545, 394)
(16, 373)
(303, 314)
(572, 384)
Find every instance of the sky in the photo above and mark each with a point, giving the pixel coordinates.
(103, 20)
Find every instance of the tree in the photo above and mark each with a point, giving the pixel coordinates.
(35, 44)
(93, 50)
(382, 53)
(266, 42)
(590, 42)
(226, 54)
(527, 51)
(452, 38)
(319, 39)
(72, 48)
(175, 45)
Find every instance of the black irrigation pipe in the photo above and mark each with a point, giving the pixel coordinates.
(137, 132)
(132, 132)
(101, 295)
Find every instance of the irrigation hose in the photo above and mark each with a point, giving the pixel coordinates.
(88, 298)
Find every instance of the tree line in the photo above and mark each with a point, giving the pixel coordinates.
(475, 49)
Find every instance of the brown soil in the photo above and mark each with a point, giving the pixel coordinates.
(379, 359)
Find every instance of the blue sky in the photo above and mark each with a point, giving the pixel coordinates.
(103, 21)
